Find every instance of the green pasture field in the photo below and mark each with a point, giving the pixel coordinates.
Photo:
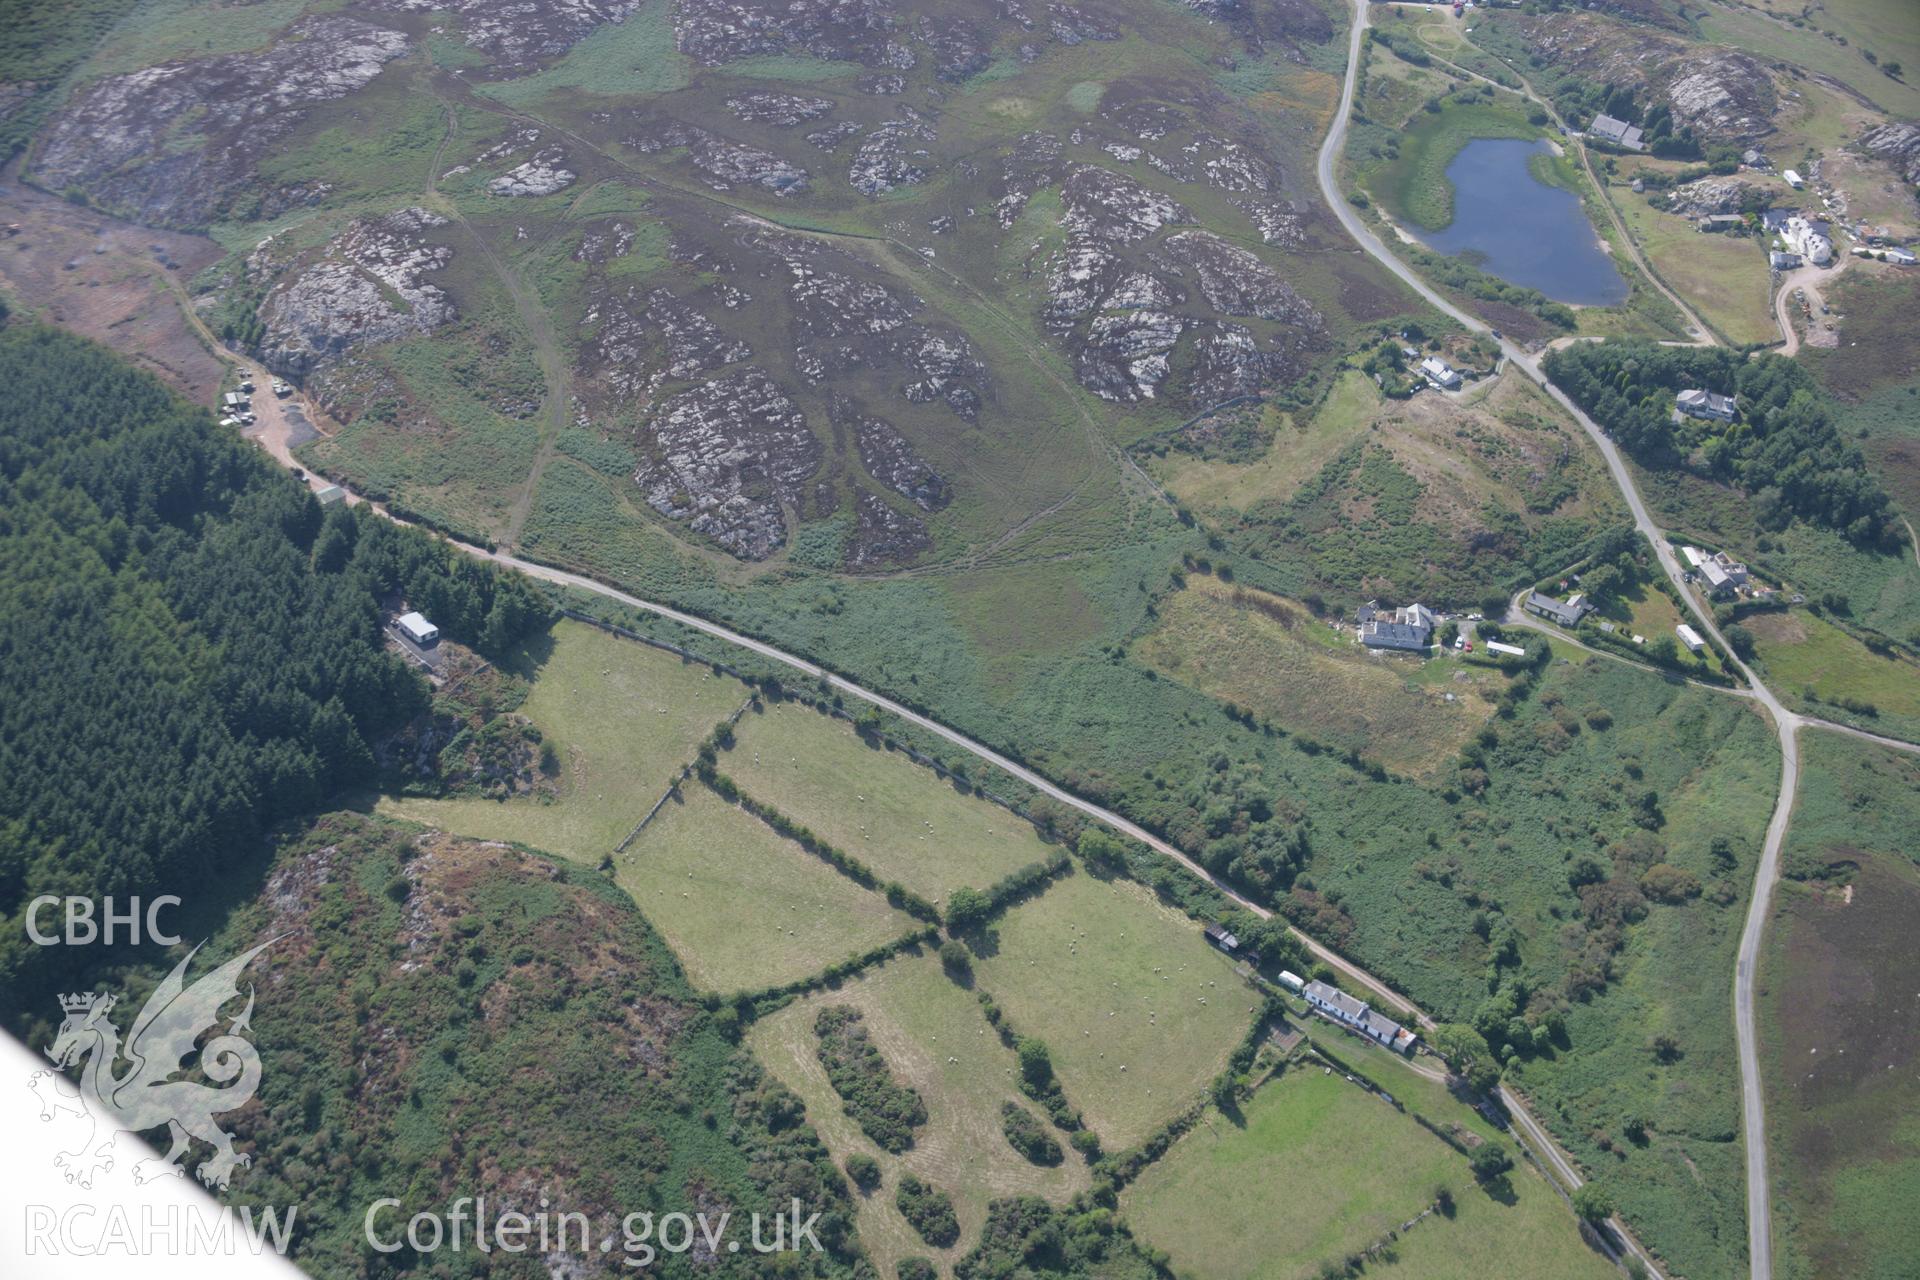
(1803, 653)
(1114, 983)
(742, 906)
(1318, 682)
(1316, 1168)
(935, 1038)
(1724, 277)
(622, 717)
(159, 31)
(1838, 1036)
(895, 816)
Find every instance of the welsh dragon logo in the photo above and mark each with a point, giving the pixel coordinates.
(147, 1094)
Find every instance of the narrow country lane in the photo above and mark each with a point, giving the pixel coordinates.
(1786, 723)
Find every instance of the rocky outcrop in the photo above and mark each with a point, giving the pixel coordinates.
(890, 458)
(723, 457)
(517, 35)
(1234, 281)
(175, 144)
(1898, 144)
(368, 286)
(1715, 195)
(716, 32)
(783, 109)
(891, 155)
(1721, 93)
(1125, 356)
(542, 175)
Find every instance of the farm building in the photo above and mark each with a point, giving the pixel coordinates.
(1618, 132)
(1217, 934)
(1331, 1002)
(1782, 261)
(1717, 222)
(1696, 403)
(1408, 628)
(1566, 613)
(1899, 257)
(329, 495)
(417, 629)
(1690, 638)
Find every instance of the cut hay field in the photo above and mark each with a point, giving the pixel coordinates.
(1840, 1018)
(935, 1038)
(743, 907)
(877, 805)
(1805, 654)
(1114, 983)
(1316, 1169)
(622, 718)
(1270, 656)
(1724, 277)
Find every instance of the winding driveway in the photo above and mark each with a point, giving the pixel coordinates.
(1786, 723)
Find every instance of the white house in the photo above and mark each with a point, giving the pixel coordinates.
(1793, 179)
(417, 629)
(1440, 373)
(1807, 240)
(1618, 132)
(1331, 1002)
(1696, 403)
(1690, 638)
(1722, 573)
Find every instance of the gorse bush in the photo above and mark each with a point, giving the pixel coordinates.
(886, 1110)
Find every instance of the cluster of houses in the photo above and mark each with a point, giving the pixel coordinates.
(1409, 628)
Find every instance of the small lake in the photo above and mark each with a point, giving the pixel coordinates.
(1510, 224)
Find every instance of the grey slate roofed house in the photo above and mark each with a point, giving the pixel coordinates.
(1566, 613)
(1408, 628)
(1705, 404)
(1350, 1012)
(1616, 131)
(1780, 261)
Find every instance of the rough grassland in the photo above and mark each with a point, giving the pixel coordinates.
(1804, 652)
(1840, 1010)
(1312, 681)
(895, 816)
(1297, 453)
(623, 719)
(1114, 983)
(742, 907)
(1319, 1168)
(934, 1038)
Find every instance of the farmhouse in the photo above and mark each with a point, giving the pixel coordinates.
(1808, 239)
(1567, 614)
(1722, 573)
(417, 629)
(1408, 628)
(1618, 132)
(1706, 404)
(1440, 373)
(1690, 638)
(1331, 1002)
